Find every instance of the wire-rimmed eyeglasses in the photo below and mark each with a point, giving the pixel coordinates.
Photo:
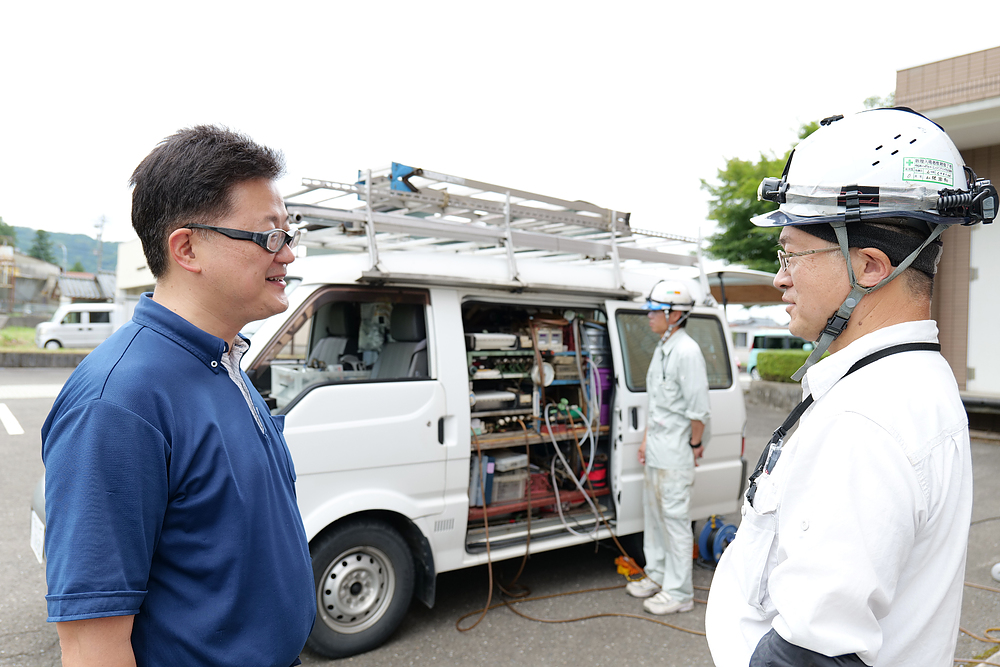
(271, 241)
(783, 256)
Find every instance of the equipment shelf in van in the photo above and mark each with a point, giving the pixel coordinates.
(496, 509)
(514, 438)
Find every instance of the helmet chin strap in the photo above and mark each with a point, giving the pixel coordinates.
(673, 327)
(838, 321)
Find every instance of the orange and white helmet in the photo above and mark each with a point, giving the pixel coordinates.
(669, 295)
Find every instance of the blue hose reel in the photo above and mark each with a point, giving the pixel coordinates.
(714, 538)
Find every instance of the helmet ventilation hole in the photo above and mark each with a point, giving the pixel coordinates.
(875, 162)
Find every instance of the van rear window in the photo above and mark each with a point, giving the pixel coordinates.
(639, 341)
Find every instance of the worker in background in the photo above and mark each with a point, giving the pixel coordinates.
(852, 545)
(676, 434)
(173, 534)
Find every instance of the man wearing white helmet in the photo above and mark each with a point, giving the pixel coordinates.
(852, 545)
(677, 390)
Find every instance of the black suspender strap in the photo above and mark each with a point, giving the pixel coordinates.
(769, 457)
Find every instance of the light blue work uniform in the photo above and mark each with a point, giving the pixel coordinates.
(677, 391)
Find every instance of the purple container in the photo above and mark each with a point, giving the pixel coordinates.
(604, 378)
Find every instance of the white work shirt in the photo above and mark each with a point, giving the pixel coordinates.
(677, 392)
(856, 542)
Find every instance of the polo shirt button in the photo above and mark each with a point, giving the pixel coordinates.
(214, 364)
(743, 510)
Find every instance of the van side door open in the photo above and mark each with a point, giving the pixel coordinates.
(720, 473)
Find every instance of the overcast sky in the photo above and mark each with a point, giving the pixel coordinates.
(624, 104)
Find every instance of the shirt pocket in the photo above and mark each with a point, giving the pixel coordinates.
(757, 535)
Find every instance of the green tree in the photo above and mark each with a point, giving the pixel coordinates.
(734, 202)
(876, 102)
(41, 247)
(7, 233)
(78, 268)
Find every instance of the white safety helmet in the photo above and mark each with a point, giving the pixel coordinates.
(900, 164)
(882, 166)
(669, 295)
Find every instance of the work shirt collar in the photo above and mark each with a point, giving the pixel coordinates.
(207, 348)
(821, 377)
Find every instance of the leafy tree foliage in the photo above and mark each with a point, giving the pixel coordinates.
(7, 233)
(78, 268)
(876, 102)
(734, 202)
(41, 247)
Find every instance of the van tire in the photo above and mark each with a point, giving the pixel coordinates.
(52, 345)
(754, 373)
(375, 570)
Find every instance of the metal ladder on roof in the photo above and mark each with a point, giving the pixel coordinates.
(405, 208)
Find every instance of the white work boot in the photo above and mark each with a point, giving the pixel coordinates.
(662, 604)
(643, 588)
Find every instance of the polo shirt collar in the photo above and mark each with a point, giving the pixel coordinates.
(203, 345)
(821, 377)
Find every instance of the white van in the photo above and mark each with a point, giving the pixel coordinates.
(395, 391)
(78, 325)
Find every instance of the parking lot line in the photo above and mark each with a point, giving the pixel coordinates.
(9, 421)
(8, 392)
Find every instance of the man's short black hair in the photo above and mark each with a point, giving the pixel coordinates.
(188, 178)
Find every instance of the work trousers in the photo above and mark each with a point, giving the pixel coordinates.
(668, 543)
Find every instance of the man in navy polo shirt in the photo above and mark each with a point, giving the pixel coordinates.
(173, 535)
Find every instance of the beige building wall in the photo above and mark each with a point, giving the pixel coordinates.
(962, 95)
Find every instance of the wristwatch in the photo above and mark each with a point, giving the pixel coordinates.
(694, 445)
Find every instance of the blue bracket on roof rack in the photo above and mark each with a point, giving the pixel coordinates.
(401, 177)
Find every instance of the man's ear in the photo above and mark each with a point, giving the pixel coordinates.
(182, 249)
(872, 267)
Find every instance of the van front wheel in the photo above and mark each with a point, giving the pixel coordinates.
(364, 574)
(52, 345)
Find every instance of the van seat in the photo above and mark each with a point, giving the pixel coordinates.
(340, 324)
(406, 356)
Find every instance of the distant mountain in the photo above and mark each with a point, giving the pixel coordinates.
(79, 248)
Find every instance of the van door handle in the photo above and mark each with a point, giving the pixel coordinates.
(441, 431)
(635, 419)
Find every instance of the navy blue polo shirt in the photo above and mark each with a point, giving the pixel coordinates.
(165, 500)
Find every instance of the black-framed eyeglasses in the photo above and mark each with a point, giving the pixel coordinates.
(271, 241)
(783, 256)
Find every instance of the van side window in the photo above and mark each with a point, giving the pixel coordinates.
(707, 331)
(347, 335)
(100, 317)
(639, 341)
(72, 317)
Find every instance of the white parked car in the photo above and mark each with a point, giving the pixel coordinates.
(83, 325)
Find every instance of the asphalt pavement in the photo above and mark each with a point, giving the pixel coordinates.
(429, 637)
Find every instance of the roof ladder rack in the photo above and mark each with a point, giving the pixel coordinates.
(405, 208)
